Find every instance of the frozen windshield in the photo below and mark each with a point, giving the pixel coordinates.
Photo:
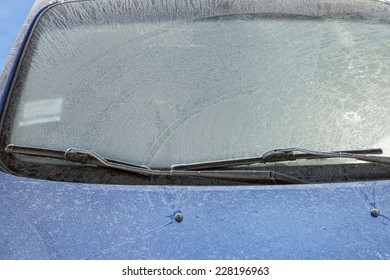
(169, 82)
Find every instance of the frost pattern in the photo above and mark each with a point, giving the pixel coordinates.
(152, 83)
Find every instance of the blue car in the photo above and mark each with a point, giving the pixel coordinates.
(197, 129)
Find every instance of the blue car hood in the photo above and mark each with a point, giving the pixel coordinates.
(57, 220)
(54, 220)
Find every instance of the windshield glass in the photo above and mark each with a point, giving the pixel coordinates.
(158, 83)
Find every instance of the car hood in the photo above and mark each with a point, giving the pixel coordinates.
(54, 220)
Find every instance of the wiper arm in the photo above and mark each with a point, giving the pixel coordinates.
(288, 154)
(90, 157)
(78, 155)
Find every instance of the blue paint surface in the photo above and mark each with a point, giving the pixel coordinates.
(55, 220)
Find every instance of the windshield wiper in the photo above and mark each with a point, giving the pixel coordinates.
(77, 155)
(90, 157)
(288, 154)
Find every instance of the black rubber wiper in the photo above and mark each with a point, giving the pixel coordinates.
(90, 157)
(288, 154)
(77, 155)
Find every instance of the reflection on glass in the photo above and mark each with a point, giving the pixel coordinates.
(43, 111)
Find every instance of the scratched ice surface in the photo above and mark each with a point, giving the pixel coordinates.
(159, 84)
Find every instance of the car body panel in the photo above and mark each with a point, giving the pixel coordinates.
(58, 220)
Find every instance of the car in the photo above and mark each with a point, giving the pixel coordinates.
(197, 129)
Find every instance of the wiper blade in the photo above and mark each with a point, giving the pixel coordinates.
(90, 157)
(79, 156)
(288, 154)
